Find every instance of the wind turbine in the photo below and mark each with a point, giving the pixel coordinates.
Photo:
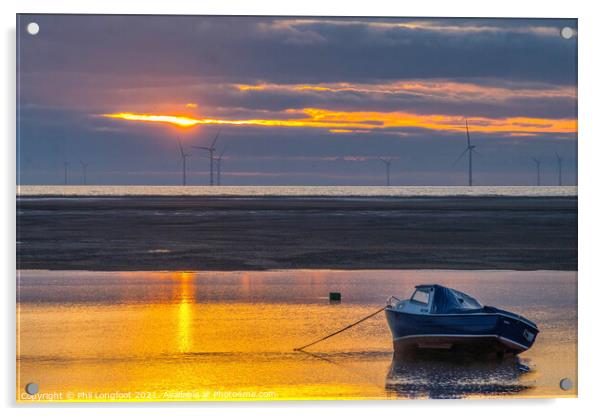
(387, 163)
(538, 165)
(559, 162)
(470, 148)
(210, 149)
(65, 166)
(218, 160)
(85, 170)
(183, 156)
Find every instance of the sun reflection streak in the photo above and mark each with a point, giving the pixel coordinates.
(184, 311)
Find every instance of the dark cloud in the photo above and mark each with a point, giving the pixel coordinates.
(298, 50)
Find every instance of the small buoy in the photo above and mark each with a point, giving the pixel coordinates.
(334, 296)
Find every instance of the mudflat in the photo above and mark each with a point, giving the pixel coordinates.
(257, 233)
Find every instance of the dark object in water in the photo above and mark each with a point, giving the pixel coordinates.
(334, 296)
(437, 317)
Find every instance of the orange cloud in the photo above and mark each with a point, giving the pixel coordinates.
(460, 91)
(244, 87)
(343, 121)
(343, 131)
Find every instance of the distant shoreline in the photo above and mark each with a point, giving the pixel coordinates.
(28, 191)
(260, 233)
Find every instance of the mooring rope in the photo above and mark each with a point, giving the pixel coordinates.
(341, 330)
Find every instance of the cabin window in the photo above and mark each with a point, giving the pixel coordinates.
(467, 302)
(421, 296)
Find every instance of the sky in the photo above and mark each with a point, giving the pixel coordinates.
(296, 100)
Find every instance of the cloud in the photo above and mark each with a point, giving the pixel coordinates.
(363, 121)
(300, 50)
(297, 27)
(421, 96)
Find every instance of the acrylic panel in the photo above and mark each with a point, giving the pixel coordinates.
(295, 208)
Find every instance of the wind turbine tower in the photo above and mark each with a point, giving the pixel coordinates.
(211, 150)
(218, 161)
(85, 171)
(538, 166)
(183, 156)
(387, 163)
(470, 149)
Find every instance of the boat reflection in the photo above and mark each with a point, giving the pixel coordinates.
(443, 376)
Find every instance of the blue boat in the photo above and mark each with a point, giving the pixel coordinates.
(437, 317)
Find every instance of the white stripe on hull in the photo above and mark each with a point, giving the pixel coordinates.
(504, 340)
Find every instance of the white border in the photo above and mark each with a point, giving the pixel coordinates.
(590, 151)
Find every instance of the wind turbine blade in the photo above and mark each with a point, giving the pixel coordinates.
(215, 139)
(460, 157)
(467, 132)
(201, 147)
(475, 151)
(181, 149)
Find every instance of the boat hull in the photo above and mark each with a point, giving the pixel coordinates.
(480, 333)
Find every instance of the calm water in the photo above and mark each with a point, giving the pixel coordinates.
(297, 191)
(230, 335)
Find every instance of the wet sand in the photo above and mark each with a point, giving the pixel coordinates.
(208, 233)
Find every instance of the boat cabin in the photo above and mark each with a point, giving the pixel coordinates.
(437, 299)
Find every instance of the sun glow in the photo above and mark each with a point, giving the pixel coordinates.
(182, 121)
(347, 121)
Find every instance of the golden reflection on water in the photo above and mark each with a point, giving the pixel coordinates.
(94, 336)
(185, 310)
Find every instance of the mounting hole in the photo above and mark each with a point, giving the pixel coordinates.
(566, 33)
(32, 388)
(566, 384)
(33, 28)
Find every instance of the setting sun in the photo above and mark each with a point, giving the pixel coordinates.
(181, 121)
